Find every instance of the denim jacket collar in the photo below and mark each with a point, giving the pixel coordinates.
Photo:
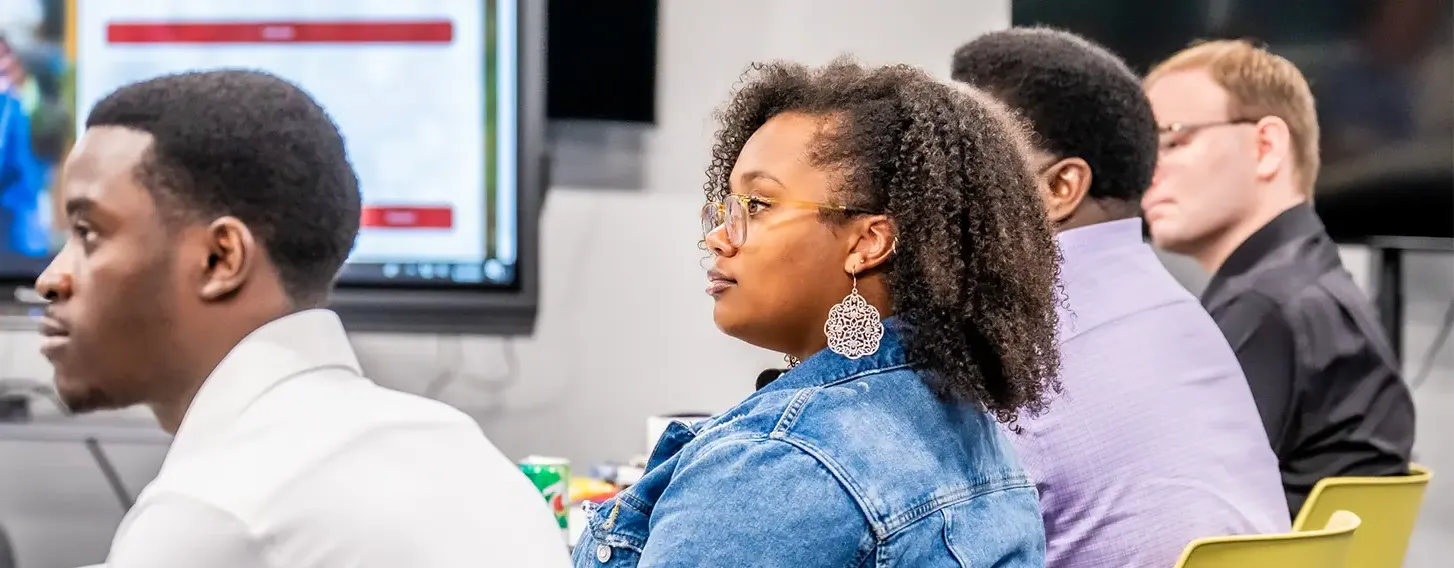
(826, 367)
(823, 368)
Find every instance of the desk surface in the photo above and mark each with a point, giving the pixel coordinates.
(12, 321)
(1407, 243)
(106, 430)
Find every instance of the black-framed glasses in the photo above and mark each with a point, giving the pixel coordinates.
(1177, 133)
(733, 211)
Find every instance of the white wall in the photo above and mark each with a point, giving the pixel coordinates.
(707, 44)
(625, 331)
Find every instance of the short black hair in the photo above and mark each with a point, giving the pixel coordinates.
(250, 145)
(1081, 99)
(975, 267)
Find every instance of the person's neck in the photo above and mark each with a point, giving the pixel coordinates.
(171, 408)
(204, 353)
(1097, 211)
(808, 349)
(1215, 254)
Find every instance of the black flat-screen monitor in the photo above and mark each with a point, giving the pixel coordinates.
(1382, 72)
(440, 103)
(601, 60)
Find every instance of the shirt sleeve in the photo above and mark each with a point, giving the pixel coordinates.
(1266, 347)
(176, 531)
(755, 502)
(1332, 404)
(1356, 414)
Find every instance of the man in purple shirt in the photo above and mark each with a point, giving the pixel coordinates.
(1155, 440)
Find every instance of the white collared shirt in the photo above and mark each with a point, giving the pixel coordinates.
(289, 458)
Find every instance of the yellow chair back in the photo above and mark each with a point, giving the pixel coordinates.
(1323, 548)
(1389, 506)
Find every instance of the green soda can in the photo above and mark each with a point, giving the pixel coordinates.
(552, 477)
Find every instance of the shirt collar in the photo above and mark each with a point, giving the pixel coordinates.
(1100, 237)
(290, 346)
(1297, 222)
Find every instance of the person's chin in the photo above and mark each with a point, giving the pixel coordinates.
(80, 397)
(1165, 233)
(1175, 243)
(722, 316)
(729, 318)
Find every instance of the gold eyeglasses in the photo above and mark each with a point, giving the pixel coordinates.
(734, 210)
(1178, 133)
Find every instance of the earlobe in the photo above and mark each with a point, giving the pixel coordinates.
(230, 259)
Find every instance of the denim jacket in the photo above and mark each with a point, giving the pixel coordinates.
(841, 463)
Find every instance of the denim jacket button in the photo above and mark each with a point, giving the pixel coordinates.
(603, 553)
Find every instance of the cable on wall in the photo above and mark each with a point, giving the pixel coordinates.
(449, 353)
(1440, 339)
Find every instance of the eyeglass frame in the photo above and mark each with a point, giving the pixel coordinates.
(1189, 129)
(721, 208)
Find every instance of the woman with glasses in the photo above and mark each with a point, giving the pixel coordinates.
(881, 230)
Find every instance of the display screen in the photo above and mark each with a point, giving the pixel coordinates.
(423, 91)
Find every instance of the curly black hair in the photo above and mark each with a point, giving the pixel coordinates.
(1081, 99)
(976, 266)
(254, 146)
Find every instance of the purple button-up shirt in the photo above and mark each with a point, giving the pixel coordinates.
(1155, 440)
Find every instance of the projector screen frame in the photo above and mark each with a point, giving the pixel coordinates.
(509, 310)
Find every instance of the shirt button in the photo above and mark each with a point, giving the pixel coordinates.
(603, 553)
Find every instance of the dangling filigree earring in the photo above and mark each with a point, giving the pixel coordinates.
(854, 327)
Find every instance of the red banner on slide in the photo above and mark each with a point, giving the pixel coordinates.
(429, 31)
(408, 217)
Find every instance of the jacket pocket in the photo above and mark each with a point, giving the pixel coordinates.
(1002, 528)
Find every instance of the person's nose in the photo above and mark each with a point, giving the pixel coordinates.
(719, 243)
(55, 283)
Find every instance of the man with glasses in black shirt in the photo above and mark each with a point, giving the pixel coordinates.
(1234, 180)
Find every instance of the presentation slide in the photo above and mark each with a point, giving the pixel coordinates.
(422, 90)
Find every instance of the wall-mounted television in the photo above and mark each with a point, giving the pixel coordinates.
(440, 103)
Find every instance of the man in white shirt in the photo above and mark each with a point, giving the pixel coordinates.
(209, 214)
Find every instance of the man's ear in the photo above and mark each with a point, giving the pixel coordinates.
(231, 258)
(1274, 146)
(1064, 186)
(875, 243)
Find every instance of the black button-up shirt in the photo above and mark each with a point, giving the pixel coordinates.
(1325, 380)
